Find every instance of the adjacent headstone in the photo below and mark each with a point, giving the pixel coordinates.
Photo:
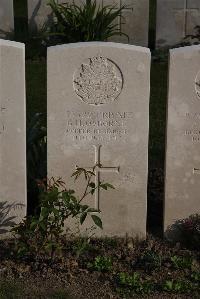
(183, 136)
(6, 18)
(39, 13)
(175, 20)
(98, 109)
(134, 20)
(12, 128)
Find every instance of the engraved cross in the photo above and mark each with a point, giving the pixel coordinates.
(186, 10)
(98, 170)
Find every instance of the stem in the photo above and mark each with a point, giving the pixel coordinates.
(88, 182)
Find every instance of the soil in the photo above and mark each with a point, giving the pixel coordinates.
(70, 276)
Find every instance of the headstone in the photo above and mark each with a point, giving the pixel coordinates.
(134, 20)
(98, 107)
(175, 20)
(12, 128)
(6, 18)
(39, 13)
(183, 136)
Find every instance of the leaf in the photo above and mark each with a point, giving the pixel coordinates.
(83, 217)
(43, 226)
(91, 210)
(84, 208)
(44, 212)
(105, 186)
(33, 224)
(92, 185)
(92, 191)
(97, 221)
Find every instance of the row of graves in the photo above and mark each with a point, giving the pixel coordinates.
(176, 19)
(98, 115)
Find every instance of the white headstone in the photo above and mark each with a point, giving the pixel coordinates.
(6, 18)
(175, 20)
(98, 109)
(135, 17)
(183, 136)
(12, 127)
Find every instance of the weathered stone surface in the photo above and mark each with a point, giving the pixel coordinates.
(98, 106)
(134, 21)
(183, 135)
(12, 127)
(6, 18)
(175, 20)
(135, 17)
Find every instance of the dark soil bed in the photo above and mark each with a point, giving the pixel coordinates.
(93, 271)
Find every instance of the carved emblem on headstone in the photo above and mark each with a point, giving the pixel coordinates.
(197, 84)
(98, 81)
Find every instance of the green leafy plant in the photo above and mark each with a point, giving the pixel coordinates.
(42, 233)
(151, 260)
(190, 231)
(178, 286)
(88, 22)
(101, 264)
(181, 262)
(133, 284)
(82, 244)
(196, 277)
(187, 231)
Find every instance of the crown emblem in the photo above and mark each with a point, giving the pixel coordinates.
(98, 81)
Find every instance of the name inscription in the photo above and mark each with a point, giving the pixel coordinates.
(194, 132)
(98, 126)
